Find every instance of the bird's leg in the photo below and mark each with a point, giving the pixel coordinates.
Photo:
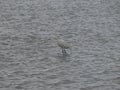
(64, 51)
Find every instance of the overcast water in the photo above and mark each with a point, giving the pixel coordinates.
(30, 58)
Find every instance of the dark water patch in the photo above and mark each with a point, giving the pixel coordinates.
(15, 38)
(4, 43)
(5, 36)
(28, 84)
(18, 87)
(30, 39)
(20, 74)
(116, 80)
(100, 87)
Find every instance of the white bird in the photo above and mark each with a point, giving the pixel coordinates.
(63, 45)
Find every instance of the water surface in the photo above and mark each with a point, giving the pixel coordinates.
(30, 58)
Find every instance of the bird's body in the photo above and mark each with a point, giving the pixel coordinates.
(63, 45)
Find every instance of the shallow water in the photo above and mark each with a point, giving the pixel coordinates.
(30, 58)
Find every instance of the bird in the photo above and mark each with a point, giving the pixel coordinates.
(63, 45)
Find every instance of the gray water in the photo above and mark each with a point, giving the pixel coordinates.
(30, 58)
